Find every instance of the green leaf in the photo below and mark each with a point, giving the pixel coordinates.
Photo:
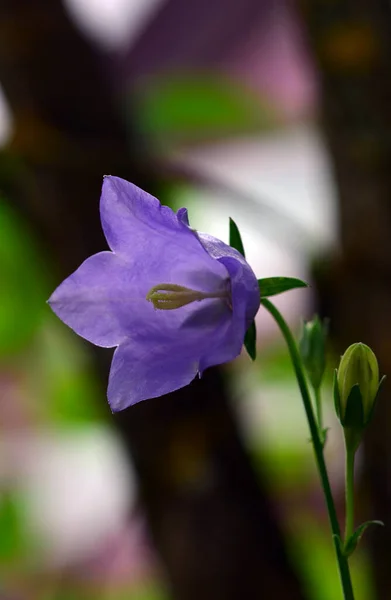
(250, 341)
(271, 286)
(235, 239)
(353, 541)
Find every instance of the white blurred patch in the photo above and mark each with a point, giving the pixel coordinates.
(111, 23)
(287, 172)
(6, 120)
(279, 190)
(79, 489)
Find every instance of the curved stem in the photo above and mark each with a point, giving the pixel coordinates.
(349, 493)
(318, 448)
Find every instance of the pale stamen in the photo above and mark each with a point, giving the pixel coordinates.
(169, 296)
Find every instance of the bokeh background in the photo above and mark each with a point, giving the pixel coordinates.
(276, 113)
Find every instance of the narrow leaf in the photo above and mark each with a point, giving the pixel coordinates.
(235, 239)
(353, 541)
(250, 341)
(271, 286)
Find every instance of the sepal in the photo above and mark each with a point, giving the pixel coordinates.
(370, 416)
(271, 286)
(250, 341)
(336, 396)
(235, 239)
(353, 416)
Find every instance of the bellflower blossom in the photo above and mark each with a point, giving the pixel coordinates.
(172, 301)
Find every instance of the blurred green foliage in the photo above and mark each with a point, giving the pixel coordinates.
(12, 538)
(142, 591)
(200, 106)
(23, 288)
(62, 372)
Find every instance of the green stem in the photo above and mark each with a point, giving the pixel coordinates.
(349, 493)
(318, 448)
(318, 404)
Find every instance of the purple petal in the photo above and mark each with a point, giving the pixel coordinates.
(144, 368)
(155, 241)
(221, 340)
(244, 284)
(104, 301)
(89, 300)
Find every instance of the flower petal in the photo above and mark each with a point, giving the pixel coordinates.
(89, 300)
(244, 284)
(142, 369)
(229, 335)
(127, 211)
(154, 240)
(228, 338)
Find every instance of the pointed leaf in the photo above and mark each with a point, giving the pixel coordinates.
(235, 239)
(250, 341)
(271, 286)
(353, 541)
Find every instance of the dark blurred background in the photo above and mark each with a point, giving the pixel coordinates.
(276, 113)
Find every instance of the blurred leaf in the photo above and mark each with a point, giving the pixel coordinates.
(22, 300)
(271, 286)
(235, 239)
(250, 341)
(11, 534)
(201, 106)
(146, 591)
(63, 375)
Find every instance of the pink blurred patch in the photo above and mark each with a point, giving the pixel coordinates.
(276, 63)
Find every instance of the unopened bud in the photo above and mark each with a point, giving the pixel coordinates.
(313, 350)
(356, 386)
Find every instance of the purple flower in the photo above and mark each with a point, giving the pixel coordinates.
(172, 300)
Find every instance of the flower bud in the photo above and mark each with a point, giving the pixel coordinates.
(312, 349)
(356, 386)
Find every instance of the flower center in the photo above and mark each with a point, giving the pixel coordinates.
(168, 296)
